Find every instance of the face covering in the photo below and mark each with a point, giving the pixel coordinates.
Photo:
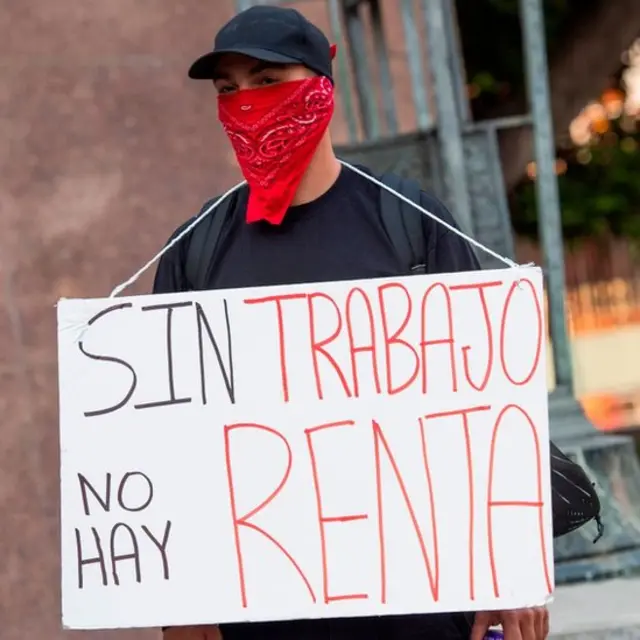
(275, 131)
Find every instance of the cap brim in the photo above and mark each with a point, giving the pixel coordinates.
(205, 66)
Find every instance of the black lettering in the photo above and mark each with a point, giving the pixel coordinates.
(82, 562)
(119, 557)
(172, 392)
(103, 358)
(85, 484)
(123, 483)
(161, 546)
(229, 381)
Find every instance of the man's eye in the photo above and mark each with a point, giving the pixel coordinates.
(226, 89)
(267, 80)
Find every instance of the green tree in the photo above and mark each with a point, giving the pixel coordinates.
(600, 188)
(600, 191)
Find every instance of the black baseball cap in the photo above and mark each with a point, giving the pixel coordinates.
(271, 34)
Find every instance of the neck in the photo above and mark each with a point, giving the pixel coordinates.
(320, 176)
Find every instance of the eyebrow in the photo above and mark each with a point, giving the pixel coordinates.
(263, 65)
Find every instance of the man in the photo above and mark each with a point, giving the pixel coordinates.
(308, 219)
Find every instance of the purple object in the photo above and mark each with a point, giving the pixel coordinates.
(494, 634)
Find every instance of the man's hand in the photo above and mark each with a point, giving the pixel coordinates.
(517, 624)
(208, 632)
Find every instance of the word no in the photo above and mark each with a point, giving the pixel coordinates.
(122, 543)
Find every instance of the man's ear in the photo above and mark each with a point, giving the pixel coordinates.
(333, 49)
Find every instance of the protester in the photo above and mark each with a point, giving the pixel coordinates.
(305, 217)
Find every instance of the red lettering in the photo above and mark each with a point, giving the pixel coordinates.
(467, 441)
(243, 521)
(424, 343)
(318, 346)
(280, 315)
(536, 504)
(368, 347)
(480, 288)
(394, 338)
(503, 324)
(324, 520)
(433, 576)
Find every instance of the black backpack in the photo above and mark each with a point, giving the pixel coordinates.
(575, 501)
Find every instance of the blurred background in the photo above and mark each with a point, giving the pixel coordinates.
(105, 147)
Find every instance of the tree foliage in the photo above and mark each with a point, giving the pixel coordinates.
(599, 183)
(599, 193)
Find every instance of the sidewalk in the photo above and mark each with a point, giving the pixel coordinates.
(597, 611)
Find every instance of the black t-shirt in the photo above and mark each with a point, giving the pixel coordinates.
(339, 236)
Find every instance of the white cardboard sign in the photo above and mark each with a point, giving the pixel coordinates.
(324, 450)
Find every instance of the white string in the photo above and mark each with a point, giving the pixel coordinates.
(127, 283)
(440, 221)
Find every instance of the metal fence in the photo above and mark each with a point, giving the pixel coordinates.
(603, 283)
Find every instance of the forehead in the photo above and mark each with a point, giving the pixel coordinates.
(235, 65)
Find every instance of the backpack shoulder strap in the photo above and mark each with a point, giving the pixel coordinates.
(204, 239)
(403, 223)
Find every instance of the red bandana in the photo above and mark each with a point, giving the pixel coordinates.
(275, 132)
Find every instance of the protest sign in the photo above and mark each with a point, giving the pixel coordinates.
(324, 450)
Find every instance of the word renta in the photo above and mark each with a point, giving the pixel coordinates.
(324, 450)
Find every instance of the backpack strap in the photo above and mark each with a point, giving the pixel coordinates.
(403, 223)
(204, 239)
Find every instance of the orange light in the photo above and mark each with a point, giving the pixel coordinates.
(473, 91)
(560, 167)
(601, 125)
(613, 102)
(532, 170)
(580, 130)
(595, 111)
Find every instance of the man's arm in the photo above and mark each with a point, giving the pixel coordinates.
(208, 632)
